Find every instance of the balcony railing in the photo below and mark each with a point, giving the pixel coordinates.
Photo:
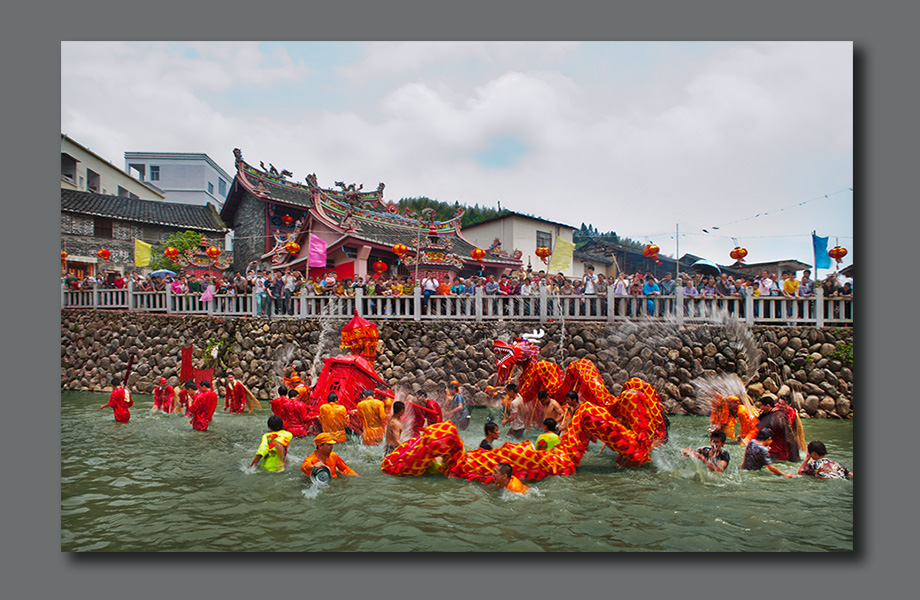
(541, 307)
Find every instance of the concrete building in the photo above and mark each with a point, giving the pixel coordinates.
(82, 170)
(186, 178)
(514, 231)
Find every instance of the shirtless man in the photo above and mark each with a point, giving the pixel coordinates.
(394, 428)
(551, 408)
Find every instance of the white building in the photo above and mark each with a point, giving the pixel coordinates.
(186, 177)
(515, 231)
(82, 170)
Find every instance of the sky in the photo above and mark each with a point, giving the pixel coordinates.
(729, 143)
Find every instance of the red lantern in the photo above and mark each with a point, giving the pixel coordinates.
(478, 254)
(171, 253)
(292, 247)
(399, 250)
(213, 252)
(837, 253)
(651, 251)
(287, 220)
(379, 266)
(543, 252)
(104, 254)
(738, 255)
(63, 255)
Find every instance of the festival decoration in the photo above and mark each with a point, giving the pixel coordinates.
(63, 255)
(287, 220)
(477, 254)
(631, 424)
(292, 247)
(400, 250)
(379, 266)
(738, 255)
(651, 251)
(171, 253)
(359, 336)
(837, 253)
(543, 252)
(104, 254)
(213, 252)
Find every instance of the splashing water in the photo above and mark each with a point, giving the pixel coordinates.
(329, 323)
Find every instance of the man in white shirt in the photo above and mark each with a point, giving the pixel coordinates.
(429, 287)
(590, 282)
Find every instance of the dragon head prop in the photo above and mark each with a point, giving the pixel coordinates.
(520, 351)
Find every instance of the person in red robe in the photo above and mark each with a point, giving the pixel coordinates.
(294, 414)
(186, 395)
(203, 407)
(424, 410)
(234, 395)
(278, 403)
(120, 401)
(163, 397)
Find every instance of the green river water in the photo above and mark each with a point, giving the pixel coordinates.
(156, 485)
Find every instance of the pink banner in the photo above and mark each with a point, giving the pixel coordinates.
(317, 252)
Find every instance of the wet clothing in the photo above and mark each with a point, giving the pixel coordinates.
(334, 463)
(715, 459)
(485, 445)
(294, 415)
(271, 459)
(333, 417)
(516, 433)
(235, 398)
(120, 401)
(516, 486)
(202, 410)
(547, 441)
(756, 457)
(163, 397)
(374, 417)
(780, 421)
(825, 468)
(185, 401)
(387, 449)
(460, 418)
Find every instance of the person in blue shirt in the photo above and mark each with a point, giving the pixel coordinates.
(650, 289)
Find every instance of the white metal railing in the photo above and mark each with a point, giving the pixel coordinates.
(541, 307)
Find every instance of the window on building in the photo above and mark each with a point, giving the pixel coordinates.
(154, 173)
(68, 167)
(221, 188)
(210, 188)
(102, 228)
(92, 181)
(544, 239)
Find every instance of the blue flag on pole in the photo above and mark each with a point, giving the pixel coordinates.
(822, 260)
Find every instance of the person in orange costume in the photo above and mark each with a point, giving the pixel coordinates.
(726, 412)
(505, 479)
(333, 417)
(234, 395)
(324, 456)
(373, 416)
(203, 407)
(120, 401)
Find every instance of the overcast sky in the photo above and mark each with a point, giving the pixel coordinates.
(752, 141)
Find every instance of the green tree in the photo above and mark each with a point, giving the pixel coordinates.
(181, 241)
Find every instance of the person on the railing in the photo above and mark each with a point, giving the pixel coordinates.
(807, 285)
(649, 289)
(830, 285)
(709, 287)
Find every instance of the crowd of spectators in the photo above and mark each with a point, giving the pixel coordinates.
(275, 290)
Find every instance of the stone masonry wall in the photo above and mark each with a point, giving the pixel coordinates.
(96, 345)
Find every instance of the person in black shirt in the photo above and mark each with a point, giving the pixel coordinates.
(492, 433)
(713, 456)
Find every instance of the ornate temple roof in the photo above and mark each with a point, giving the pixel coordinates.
(357, 214)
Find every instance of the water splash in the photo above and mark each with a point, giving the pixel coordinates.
(330, 321)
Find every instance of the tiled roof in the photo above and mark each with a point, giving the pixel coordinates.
(171, 214)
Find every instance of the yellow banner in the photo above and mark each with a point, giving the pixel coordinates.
(562, 256)
(141, 253)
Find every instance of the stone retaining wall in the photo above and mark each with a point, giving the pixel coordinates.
(96, 345)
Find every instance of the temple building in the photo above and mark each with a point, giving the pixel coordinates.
(276, 222)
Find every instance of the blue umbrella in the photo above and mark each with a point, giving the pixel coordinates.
(161, 272)
(707, 266)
